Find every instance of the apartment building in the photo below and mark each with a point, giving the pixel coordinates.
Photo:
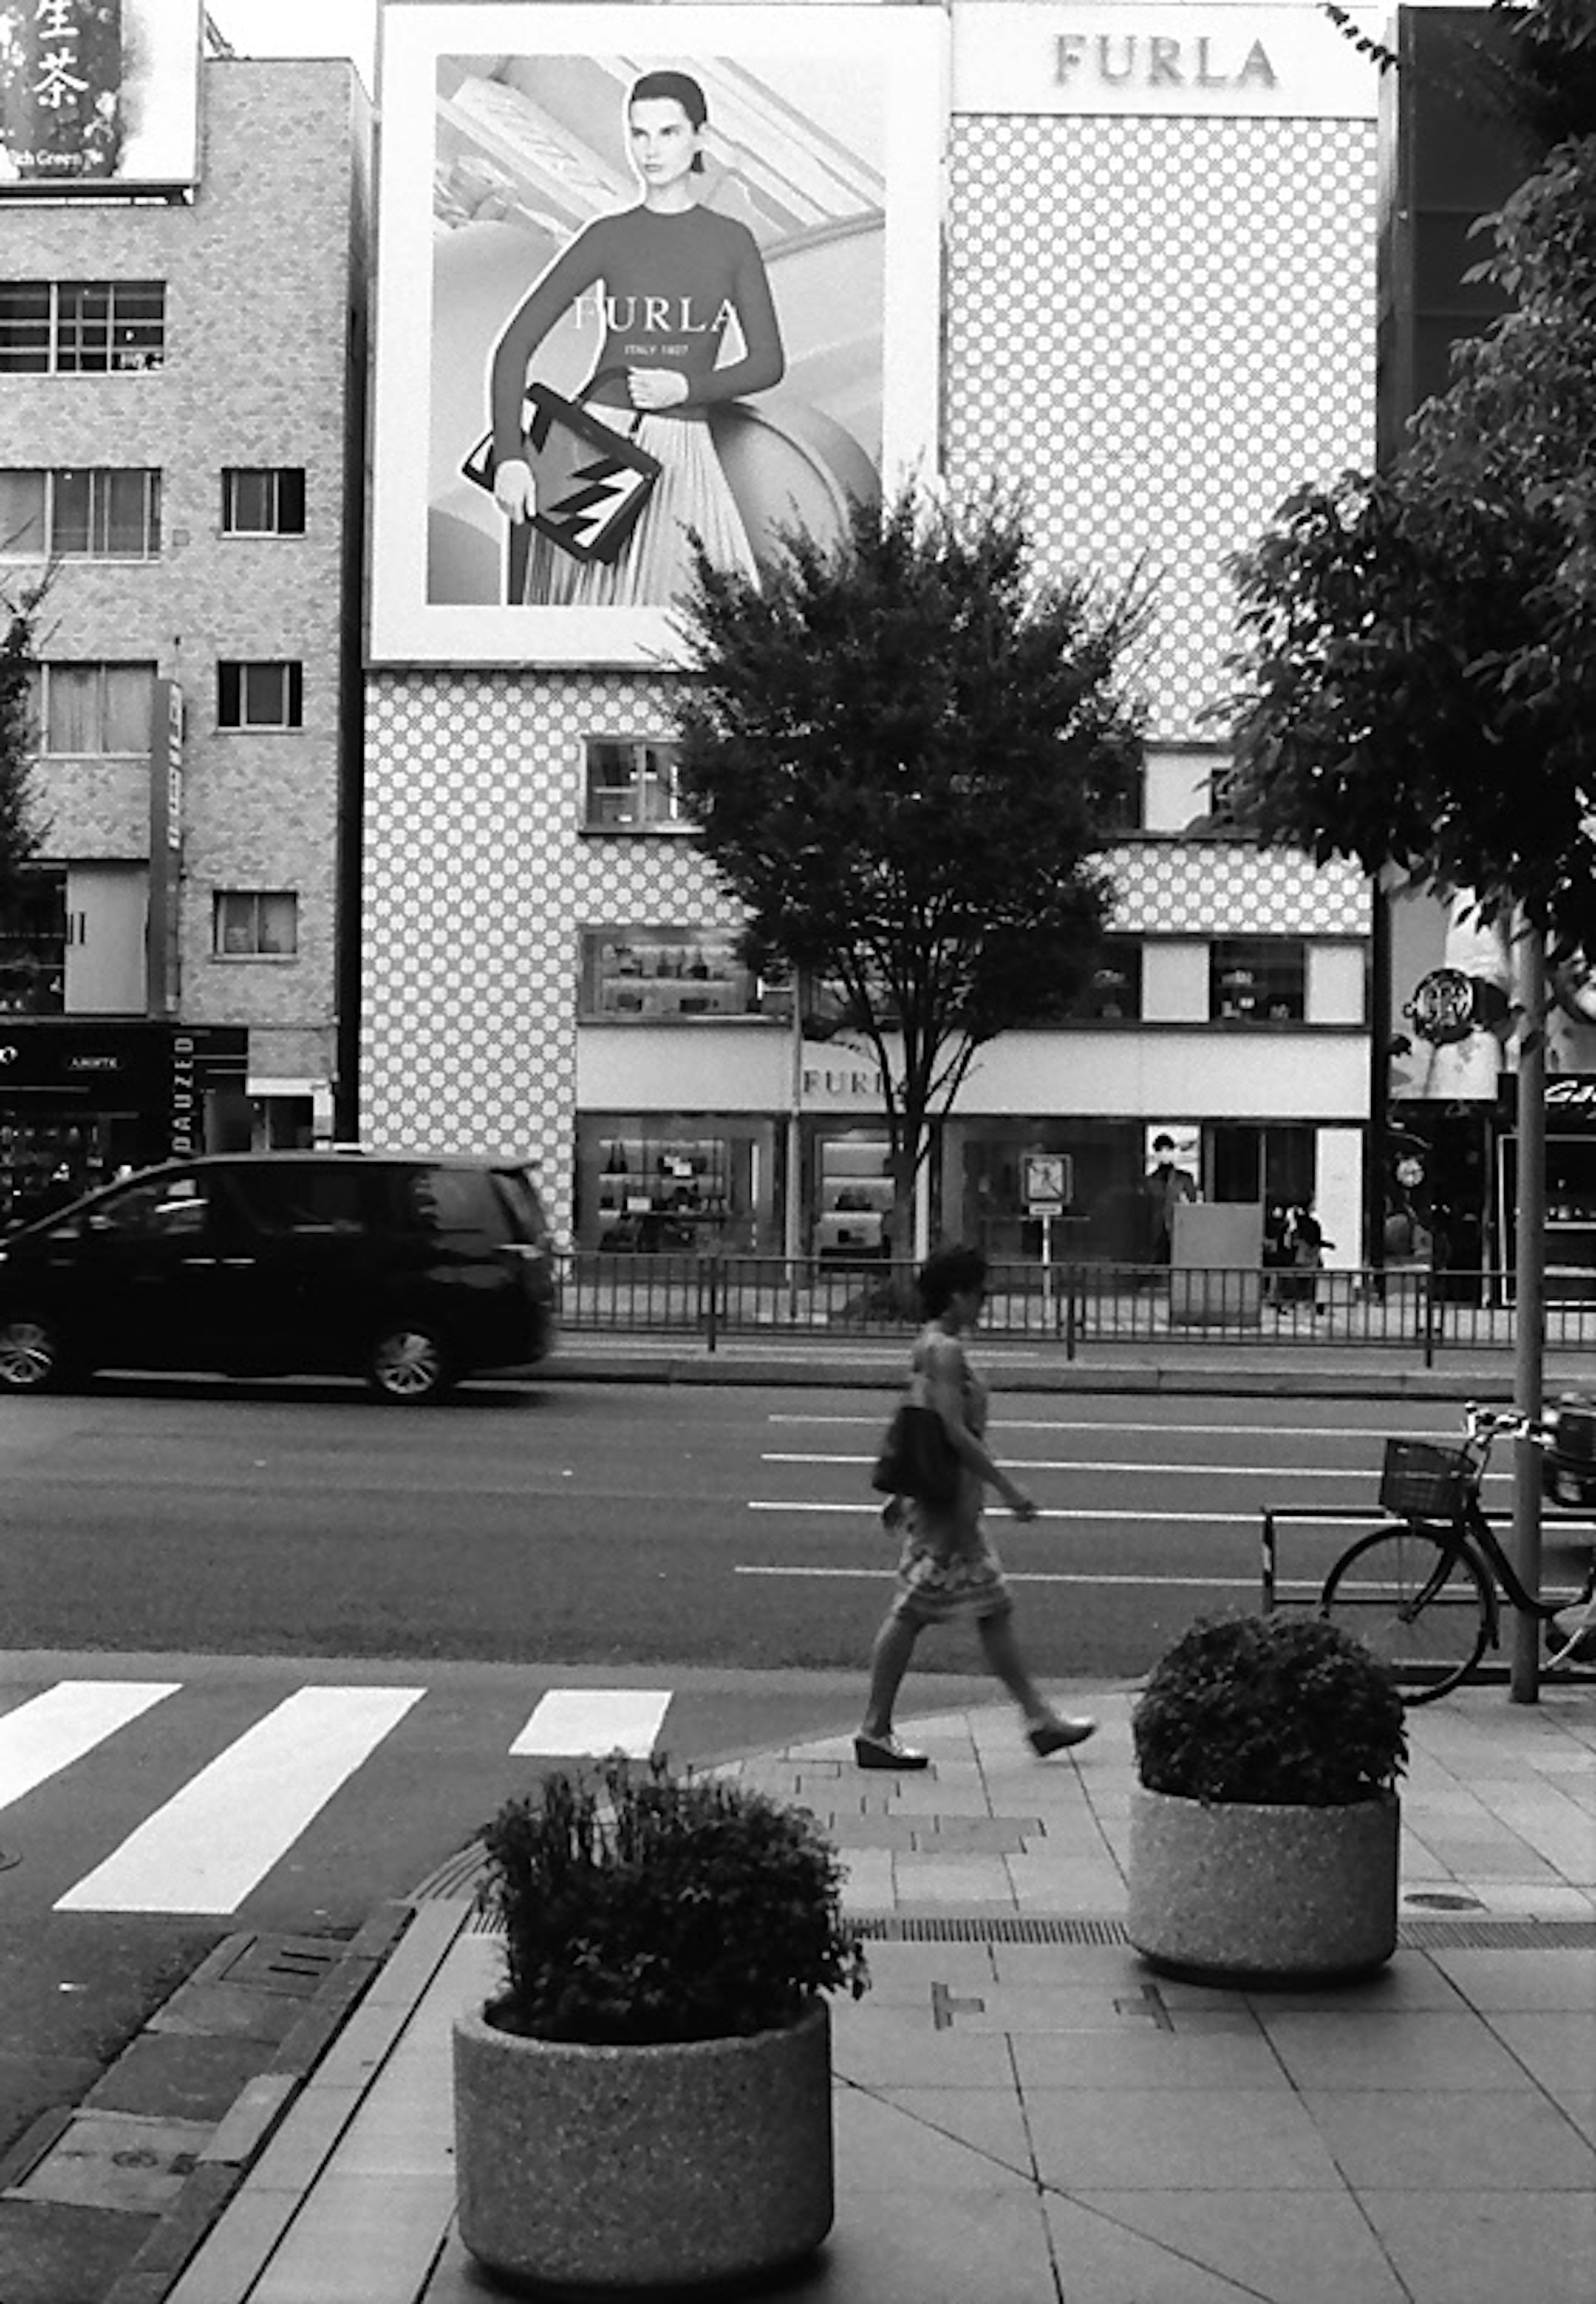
(182, 372)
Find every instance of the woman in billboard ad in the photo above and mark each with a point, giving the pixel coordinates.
(663, 286)
(723, 255)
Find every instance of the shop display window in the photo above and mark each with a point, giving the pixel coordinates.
(1113, 994)
(648, 975)
(631, 786)
(1257, 980)
(854, 1180)
(662, 1191)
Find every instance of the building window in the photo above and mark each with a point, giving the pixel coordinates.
(81, 327)
(265, 499)
(645, 975)
(88, 709)
(1257, 980)
(33, 938)
(1113, 995)
(631, 786)
(270, 695)
(249, 925)
(98, 513)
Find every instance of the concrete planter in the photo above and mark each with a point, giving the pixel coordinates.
(1230, 1893)
(626, 2168)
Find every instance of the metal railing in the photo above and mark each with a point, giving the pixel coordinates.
(1075, 1306)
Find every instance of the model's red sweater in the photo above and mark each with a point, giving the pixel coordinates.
(671, 282)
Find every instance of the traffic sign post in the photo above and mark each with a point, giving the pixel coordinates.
(1049, 1179)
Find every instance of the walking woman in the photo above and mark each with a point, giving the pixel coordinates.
(947, 1571)
(663, 280)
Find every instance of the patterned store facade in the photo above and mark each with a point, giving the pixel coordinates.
(1151, 277)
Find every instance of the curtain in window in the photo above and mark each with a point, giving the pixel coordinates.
(72, 709)
(129, 697)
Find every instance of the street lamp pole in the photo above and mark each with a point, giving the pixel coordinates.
(1529, 1357)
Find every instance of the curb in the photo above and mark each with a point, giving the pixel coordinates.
(258, 2111)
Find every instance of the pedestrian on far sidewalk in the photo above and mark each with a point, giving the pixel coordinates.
(947, 1571)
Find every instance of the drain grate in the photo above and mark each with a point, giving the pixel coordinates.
(1415, 1936)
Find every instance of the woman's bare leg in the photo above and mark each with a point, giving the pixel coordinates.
(889, 1661)
(1001, 1650)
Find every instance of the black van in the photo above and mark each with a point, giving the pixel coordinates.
(411, 1272)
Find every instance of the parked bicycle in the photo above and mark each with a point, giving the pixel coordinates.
(1424, 1591)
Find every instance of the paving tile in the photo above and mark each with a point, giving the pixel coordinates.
(1487, 2142)
(359, 2240)
(953, 1879)
(882, 2146)
(401, 2133)
(884, 2047)
(1074, 1884)
(1411, 1981)
(1426, 2050)
(1062, 2007)
(920, 2246)
(867, 1883)
(1538, 2247)
(1159, 2139)
(1204, 2052)
(906, 1972)
(1497, 1980)
(1300, 2248)
(989, 2120)
(1558, 2048)
(1102, 2260)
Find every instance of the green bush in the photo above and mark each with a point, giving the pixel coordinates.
(1269, 1709)
(671, 1910)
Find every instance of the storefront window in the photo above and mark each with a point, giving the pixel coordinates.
(681, 1183)
(649, 974)
(1257, 979)
(854, 1195)
(1113, 995)
(983, 1195)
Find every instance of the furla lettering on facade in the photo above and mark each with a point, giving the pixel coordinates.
(1159, 60)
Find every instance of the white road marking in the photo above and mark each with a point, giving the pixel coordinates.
(1140, 1464)
(1043, 1576)
(593, 1721)
(56, 1727)
(1248, 1519)
(207, 1846)
(1161, 1425)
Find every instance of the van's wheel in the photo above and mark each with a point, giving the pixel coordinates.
(408, 1364)
(32, 1355)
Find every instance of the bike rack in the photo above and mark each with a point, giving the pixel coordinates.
(1274, 1594)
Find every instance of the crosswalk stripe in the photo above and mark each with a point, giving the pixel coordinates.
(56, 1727)
(207, 1846)
(578, 1721)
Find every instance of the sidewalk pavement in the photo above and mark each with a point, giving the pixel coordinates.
(1026, 2113)
(1281, 1368)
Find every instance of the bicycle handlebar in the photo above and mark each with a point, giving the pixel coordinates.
(1506, 1423)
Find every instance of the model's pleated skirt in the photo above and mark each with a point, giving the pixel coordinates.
(655, 566)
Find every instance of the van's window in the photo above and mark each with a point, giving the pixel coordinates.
(176, 1205)
(525, 1208)
(454, 1199)
(295, 1198)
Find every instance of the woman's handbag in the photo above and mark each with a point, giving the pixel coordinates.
(591, 481)
(916, 1458)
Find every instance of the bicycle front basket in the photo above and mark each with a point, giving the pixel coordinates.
(1421, 1481)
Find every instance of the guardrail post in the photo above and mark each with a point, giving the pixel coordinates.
(1072, 1281)
(1267, 1565)
(1426, 1280)
(709, 1269)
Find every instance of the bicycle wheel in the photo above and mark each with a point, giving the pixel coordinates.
(1423, 1607)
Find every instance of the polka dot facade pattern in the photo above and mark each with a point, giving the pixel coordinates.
(478, 881)
(1163, 327)
(1214, 889)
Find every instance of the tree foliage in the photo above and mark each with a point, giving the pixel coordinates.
(19, 832)
(1418, 656)
(902, 752)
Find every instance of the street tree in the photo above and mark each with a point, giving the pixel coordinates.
(904, 753)
(1417, 669)
(19, 830)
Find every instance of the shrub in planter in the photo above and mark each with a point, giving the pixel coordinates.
(1289, 1710)
(648, 2100)
(1265, 1829)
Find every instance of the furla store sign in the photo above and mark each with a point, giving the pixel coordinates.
(1227, 63)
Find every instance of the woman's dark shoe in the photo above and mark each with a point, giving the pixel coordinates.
(1059, 1735)
(887, 1752)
